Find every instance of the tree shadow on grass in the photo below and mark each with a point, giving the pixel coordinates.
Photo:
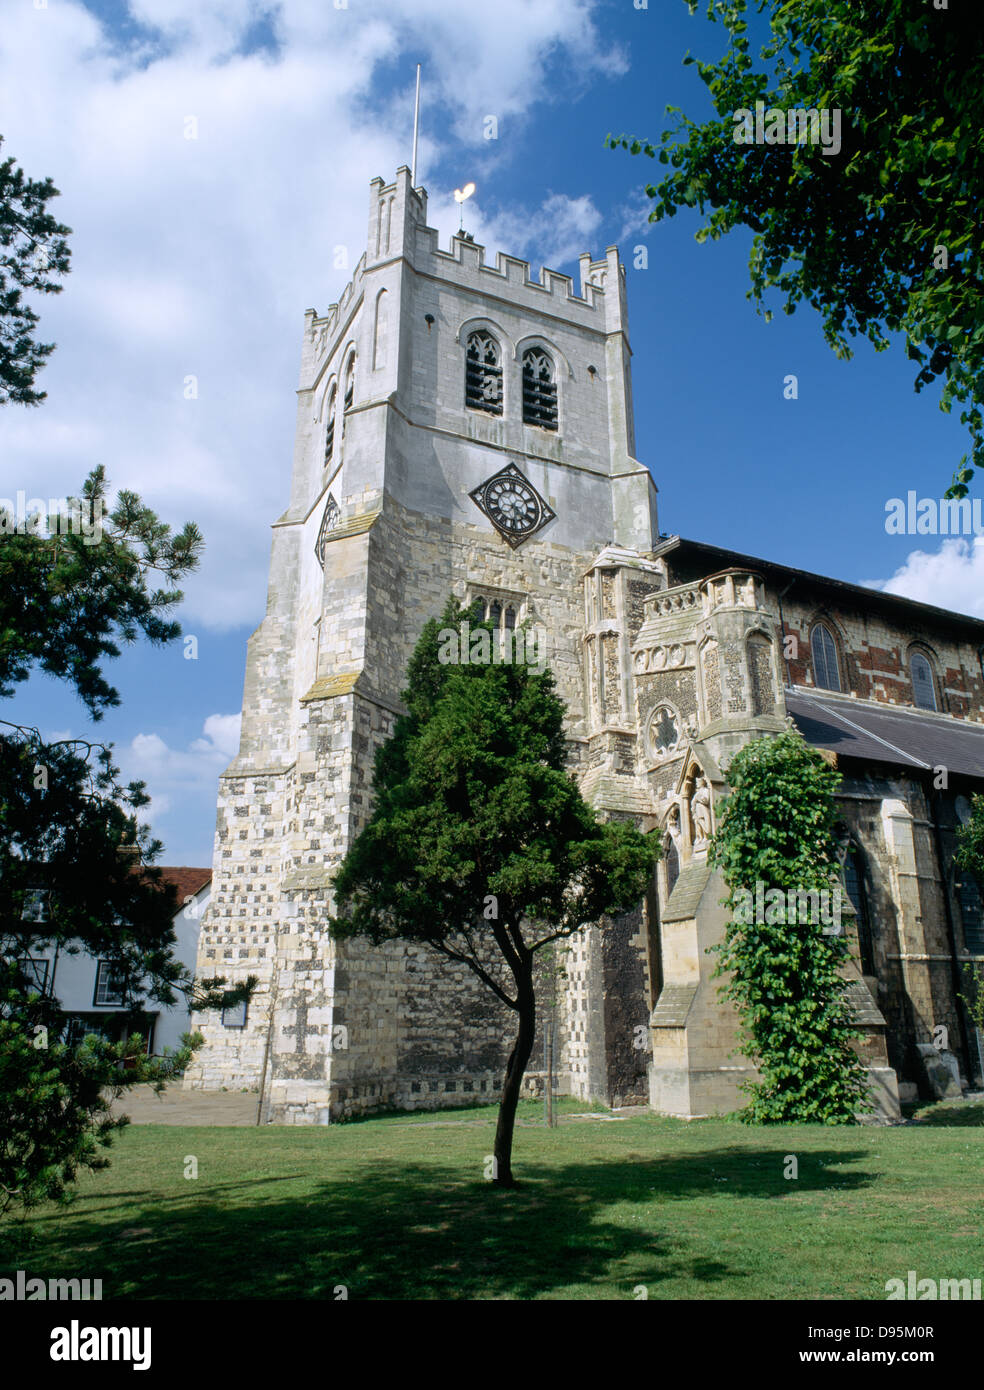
(398, 1232)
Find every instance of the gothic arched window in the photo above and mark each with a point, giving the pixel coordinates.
(826, 669)
(350, 383)
(510, 616)
(483, 374)
(671, 860)
(854, 882)
(969, 897)
(923, 684)
(330, 432)
(539, 390)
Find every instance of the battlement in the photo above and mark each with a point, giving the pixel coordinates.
(398, 232)
(320, 328)
(512, 271)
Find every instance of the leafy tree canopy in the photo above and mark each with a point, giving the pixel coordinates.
(67, 599)
(882, 237)
(33, 254)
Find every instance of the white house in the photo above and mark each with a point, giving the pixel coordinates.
(87, 991)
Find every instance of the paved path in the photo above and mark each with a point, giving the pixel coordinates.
(178, 1107)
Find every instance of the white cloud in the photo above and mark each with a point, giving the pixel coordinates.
(182, 778)
(222, 733)
(951, 578)
(197, 257)
(554, 233)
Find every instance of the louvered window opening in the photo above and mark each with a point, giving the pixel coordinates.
(483, 374)
(539, 391)
(330, 435)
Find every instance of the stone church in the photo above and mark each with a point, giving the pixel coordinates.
(467, 428)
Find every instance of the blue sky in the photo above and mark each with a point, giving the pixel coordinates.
(199, 256)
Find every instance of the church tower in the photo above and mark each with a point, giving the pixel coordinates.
(461, 428)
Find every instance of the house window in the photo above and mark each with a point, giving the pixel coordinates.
(923, 684)
(856, 891)
(483, 374)
(330, 433)
(235, 1017)
(80, 1027)
(826, 672)
(35, 908)
(539, 390)
(109, 984)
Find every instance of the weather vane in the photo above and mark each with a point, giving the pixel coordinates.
(460, 194)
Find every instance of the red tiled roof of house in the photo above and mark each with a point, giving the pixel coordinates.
(186, 881)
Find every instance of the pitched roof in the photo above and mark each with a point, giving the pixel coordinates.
(702, 559)
(902, 737)
(187, 882)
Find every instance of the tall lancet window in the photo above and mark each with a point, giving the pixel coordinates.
(826, 669)
(539, 390)
(483, 374)
(923, 685)
(330, 431)
(350, 383)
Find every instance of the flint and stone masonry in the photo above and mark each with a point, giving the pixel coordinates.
(669, 655)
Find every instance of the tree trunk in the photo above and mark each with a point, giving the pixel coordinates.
(515, 1070)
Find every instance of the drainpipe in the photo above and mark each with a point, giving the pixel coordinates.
(934, 802)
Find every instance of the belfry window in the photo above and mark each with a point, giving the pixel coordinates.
(330, 432)
(826, 670)
(350, 383)
(539, 390)
(483, 374)
(923, 685)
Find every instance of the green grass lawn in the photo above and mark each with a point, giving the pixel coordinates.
(398, 1208)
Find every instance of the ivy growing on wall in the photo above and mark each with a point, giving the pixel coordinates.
(783, 964)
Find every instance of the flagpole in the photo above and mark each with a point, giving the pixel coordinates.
(416, 125)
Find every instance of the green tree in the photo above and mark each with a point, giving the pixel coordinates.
(33, 253)
(56, 1101)
(70, 594)
(882, 237)
(480, 844)
(777, 829)
(71, 844)
(76, 864)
